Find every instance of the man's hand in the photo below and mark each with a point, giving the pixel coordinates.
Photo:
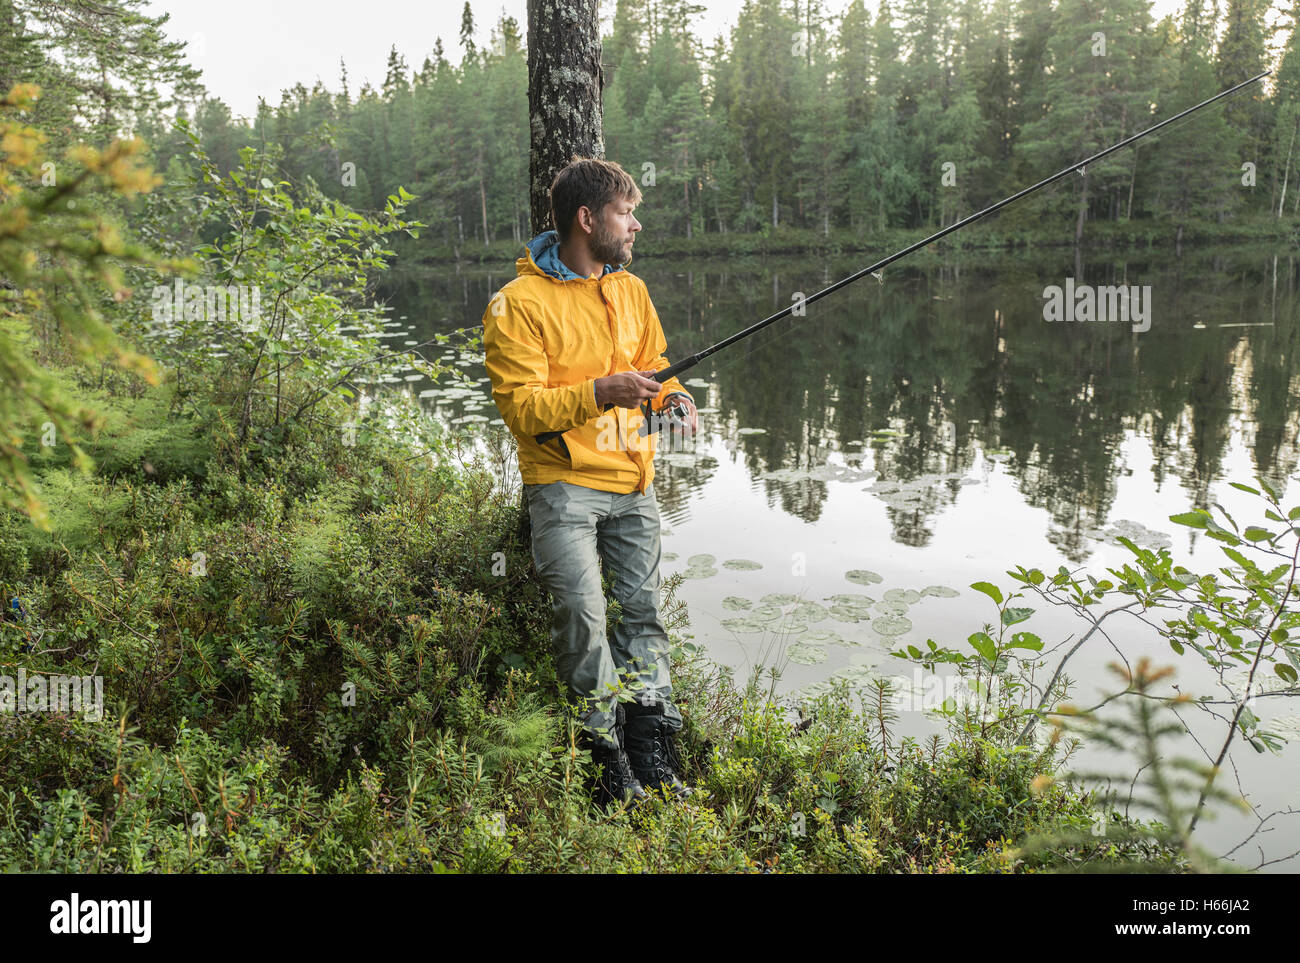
(627, 389)
(685, 410)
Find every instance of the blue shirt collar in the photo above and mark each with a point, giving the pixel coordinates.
(545, 250)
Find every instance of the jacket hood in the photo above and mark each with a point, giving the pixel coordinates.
(542, 255)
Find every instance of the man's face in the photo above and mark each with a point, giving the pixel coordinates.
(614, 231)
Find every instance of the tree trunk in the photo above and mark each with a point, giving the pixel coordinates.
(686, 197)
(482, 200)
(1132, 178)
(1286, 171)
(686, 187)
(564, 94)
(1083, 212)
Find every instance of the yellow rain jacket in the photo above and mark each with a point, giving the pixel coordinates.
(549, 334)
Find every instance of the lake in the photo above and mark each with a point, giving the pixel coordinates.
(914, 434)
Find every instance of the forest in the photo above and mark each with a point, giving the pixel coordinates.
(839, 126)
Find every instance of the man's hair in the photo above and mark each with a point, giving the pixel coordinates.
(588, 182)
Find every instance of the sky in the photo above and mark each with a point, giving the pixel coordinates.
(248, 48)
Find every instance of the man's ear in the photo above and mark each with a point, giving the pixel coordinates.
(585, 220)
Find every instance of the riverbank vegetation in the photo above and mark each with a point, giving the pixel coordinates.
(311, 664)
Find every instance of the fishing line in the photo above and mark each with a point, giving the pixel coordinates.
(1079, 167)
(794, 326)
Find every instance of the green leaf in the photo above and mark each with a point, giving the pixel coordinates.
(1245, 488)
(1287, 673)
(984, 645)
(1026, 640)
(1240, 559)
(1254, 533)
(1196, 519)
(989, 589)
(1011, 615)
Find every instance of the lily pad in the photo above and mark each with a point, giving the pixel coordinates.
(734, 603)
(805, 654)
(862, 576)
(855, 674)
(853, 599)
(743, 624)
(907, 596)
(806, 612)
(842, 613)
(1136, 532)
(742, 565)
(830, 637)
(811, 691)
(701, 561)
(700, 572)
(940, 592)
(822, 637)
(768, 612)
(852, 608)
(891, 625)
(827, 473)
(889, 607)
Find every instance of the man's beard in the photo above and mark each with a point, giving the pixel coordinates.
(606, 246)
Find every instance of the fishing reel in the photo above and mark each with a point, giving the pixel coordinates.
(672, 418)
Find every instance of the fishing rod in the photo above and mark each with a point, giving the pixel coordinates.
(687, 363)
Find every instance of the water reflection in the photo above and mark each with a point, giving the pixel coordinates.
(912, 381)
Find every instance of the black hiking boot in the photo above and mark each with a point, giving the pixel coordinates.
(650, 749)
(615, 781)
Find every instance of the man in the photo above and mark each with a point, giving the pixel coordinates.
(570, 344)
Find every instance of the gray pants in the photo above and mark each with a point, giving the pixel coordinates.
(575, 529)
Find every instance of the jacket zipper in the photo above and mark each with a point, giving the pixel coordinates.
(613, 337)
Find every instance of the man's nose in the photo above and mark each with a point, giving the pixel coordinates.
(636, 225)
